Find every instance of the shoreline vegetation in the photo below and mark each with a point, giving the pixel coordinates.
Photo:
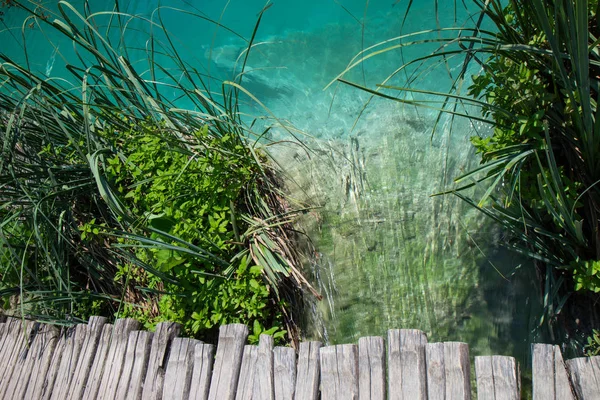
(536, 86)
(117, 202)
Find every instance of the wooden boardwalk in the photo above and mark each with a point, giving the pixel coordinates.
(104, 361)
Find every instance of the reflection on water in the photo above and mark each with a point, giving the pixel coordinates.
(388, 255)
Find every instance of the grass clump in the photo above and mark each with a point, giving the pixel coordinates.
(117, 201)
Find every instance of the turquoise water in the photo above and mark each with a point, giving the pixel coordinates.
(387, 255)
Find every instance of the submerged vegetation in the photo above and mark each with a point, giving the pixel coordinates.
(117, 201)
(531, 68)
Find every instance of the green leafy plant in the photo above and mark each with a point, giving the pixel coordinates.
(118, 201)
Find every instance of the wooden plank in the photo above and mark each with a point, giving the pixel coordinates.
(134, 367)
(178, 374)
(68, 362)
(116, 357)
(43, 359)
(448, 371)
(308, 372)
(203, 361)
(263, 379)
(457, 366)
(86, 357)
(22, 367)
(284, 372)
(406, 364)
(16, 350)
(498, 378)
(339, 372)
(95, 377)
(550, 380)
(228, 361)
(45, 335)
(18, 370)
(371, 368)
(585, 375)
(245, 384)
(155, 373)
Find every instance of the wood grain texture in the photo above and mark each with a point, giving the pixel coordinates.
(308, 371)
(43, 358)
(339, 372)
(585, 376)
(406, 364)
(86, 357)
(16, 351)
(228, 361)
(95, 376)
(203, 362)
(134, 368)
(498, 378)
(178, 374)
(37, 361)
(263, 378)
(284, 373)
(448, 371)
(68, 362)
(157, 362)
(21, 369)
(245, 384)
(550, 380)
(371, 368)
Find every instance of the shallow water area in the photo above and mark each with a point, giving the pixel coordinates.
(387, 254)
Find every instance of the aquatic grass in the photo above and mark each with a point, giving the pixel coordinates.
(71, 240)
(536, 83)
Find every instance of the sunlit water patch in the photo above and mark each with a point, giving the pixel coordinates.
(387, 254)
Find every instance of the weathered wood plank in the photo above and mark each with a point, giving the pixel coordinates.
(178, 374)
(406, 364)
(155, 374)
(339, 372)
(371, 368)
(245, 384)
(35, 362)
(22, 368)
(43, 358)
(86, 357)
(95, 376)
(263, 379)
(68, 362)
(203, 361)
(585, 375)
(284, 372)
(498, 378)
(116, 357)
(448, 371)
(16, 350)
(550, 380)
(134, 368)
(308, 372)
(228, 361)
